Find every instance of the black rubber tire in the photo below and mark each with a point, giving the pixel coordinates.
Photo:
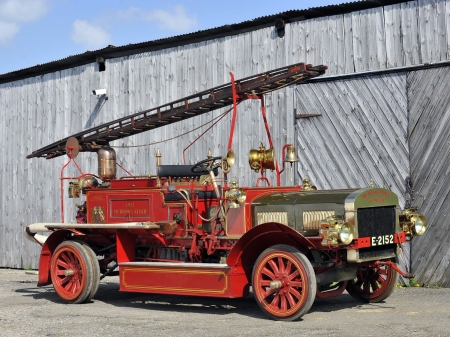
(95, 271)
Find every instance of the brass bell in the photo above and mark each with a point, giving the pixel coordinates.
(291, 155)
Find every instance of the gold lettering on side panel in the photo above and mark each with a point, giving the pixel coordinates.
(130, 211)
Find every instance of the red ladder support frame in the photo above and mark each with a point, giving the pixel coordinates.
(266, 125)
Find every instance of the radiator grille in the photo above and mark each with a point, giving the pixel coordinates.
(313, 219)
(280, 217)
(376, 221)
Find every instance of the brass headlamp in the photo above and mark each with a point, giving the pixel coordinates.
(336, 231)
(79, 187)
(235, 195)
(412, 222)
(74, 189)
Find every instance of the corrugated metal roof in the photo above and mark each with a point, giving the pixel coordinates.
(202, 35)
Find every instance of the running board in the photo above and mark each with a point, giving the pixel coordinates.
(192, 279)
(188, 265)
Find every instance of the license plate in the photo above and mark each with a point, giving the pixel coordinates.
(382, 240)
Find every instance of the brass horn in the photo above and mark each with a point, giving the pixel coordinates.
(228, 161)
(263, 157)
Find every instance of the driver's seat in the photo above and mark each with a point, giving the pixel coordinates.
(180, 171)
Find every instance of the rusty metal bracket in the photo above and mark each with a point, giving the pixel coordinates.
(396, 267)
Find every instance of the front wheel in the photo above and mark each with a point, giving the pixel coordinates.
(373, 284)
(95, 271)
(284, 283)
(72, 272)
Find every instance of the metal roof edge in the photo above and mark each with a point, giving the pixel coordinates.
(195, 37)
(378, 72)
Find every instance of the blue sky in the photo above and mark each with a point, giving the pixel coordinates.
(39, 31)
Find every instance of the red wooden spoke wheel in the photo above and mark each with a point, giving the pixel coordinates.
(71, 272)
(284, 283)
(373, 284)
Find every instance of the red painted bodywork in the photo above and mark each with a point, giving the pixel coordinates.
(135, 200)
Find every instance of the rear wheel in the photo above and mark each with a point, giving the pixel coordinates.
(373, 284)
(72, 272)
(284, 283)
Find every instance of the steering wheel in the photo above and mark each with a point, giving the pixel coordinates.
(207, 165)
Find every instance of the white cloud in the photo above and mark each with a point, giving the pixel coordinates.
(178, 20)
(15, 12)
(22, 10)
(89, 36)
(7, 32)
(175, 20)
(96, 36)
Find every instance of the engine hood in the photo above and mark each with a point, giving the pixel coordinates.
(305, 210)
(363, 197)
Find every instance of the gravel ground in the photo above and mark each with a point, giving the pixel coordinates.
(26, 310)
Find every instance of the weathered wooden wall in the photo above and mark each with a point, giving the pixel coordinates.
(394, 129)
(36, 111)
(360, 136)
(429, 131)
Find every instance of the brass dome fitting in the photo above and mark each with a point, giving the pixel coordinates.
(306, 185)
(106, 163)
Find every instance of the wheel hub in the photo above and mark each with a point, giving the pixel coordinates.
(69, 272)
(282, 281)
(277, 284)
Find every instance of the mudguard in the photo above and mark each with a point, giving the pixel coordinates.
(245, 252)
(46, 255)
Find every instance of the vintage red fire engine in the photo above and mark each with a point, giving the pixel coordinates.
(188, 230)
